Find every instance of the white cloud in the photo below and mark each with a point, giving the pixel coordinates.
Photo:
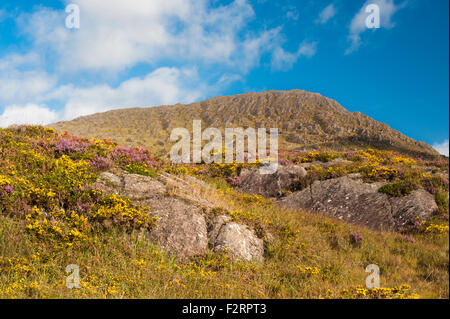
(282, 60)
(116, 34)
(326, 14)
(162, 86)
(27, 114)
(442, 148)
(14, 61)
(20, 87)
(254, 48)
(292, 13)
(21, 80)
(358, 25)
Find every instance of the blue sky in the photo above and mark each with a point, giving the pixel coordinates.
(145, 53)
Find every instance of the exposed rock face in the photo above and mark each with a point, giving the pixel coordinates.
(216, 227)
(238, 241)
(361, 203)
(182, 228)
(110, 182)
(138, 187)
(133, 186)
(419, 203)
(269, 185)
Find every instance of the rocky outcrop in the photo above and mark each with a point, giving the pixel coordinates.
(236, 239)
(112, 183)
(419, 204)
(138, 187)
(360, 203)
(269, 185)
(182, 227)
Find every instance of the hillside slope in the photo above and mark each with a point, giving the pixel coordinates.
(306, 121)
(55, 211)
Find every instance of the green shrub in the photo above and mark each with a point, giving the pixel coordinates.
(398, 189)
(318, 156)
(442, 201)
(141, 169)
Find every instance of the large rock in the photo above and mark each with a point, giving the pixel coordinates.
(187, 187)
(138, 187)
(236, 239)
(360, 203)
(181, 228)
(419, 204)
(269, 185)
(110, 182)
(133, 186)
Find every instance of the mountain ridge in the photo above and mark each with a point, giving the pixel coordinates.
(306, 121)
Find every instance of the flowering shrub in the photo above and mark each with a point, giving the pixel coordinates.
(101, 163)
(141, 169)
(5, 187)
(50, 185)
(434, 183)
(235, 181)
(122, 212)
(6, 190)
(129, 155)
(375, 172)
(404, 160)
(68, 146)
(308, 271)
(318, 156)
(400, 292)
(353, 156)
(4, 181)
(428, 227)
(336, 171)
(356, 239)
(177, 170)
(70, 227)
(223, 169)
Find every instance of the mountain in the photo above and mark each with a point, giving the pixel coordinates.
(306, 121)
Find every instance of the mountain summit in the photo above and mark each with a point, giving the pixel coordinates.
(306, 121)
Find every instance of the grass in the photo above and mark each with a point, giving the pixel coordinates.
(121, 265)
(307, 255)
